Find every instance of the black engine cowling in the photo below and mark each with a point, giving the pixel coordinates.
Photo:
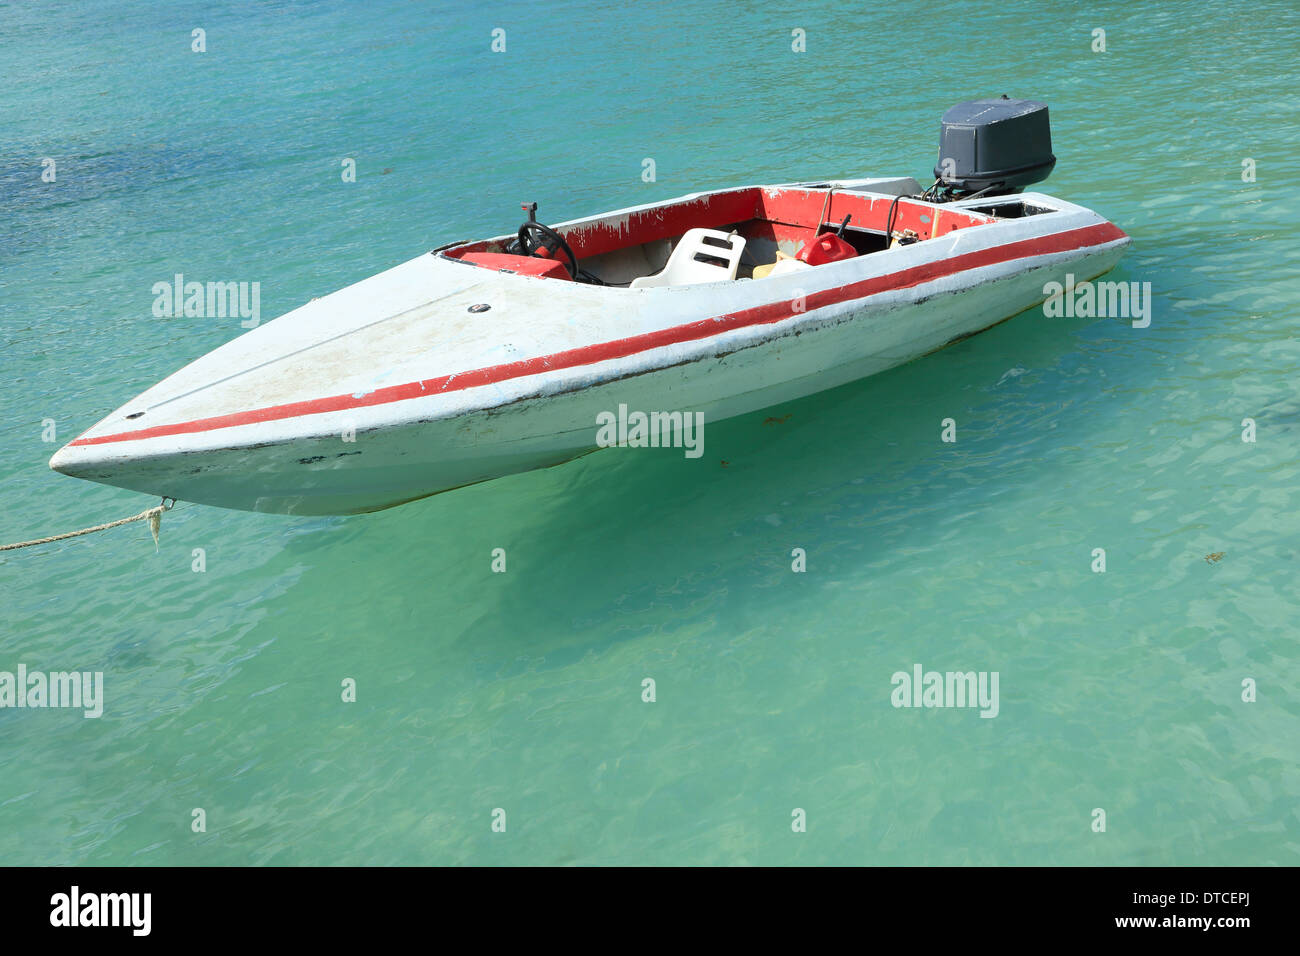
(994, 146)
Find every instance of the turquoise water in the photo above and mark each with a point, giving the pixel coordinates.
(523, 690)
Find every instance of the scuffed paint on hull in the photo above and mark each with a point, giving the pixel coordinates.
(442, 433)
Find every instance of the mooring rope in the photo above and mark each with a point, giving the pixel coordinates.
(152, 515)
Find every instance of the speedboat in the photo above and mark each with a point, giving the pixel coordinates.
(493, 357)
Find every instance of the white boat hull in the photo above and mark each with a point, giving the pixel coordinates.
(527, 395)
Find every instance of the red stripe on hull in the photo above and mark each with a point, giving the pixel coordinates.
(622, 348)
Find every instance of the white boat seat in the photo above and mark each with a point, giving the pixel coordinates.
(702, 255)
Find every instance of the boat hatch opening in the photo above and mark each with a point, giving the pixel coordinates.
(775, 222)
(1015, 209)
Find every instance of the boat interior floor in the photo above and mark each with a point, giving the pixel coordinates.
(745, 233)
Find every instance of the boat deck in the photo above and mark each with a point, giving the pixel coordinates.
(620, 246)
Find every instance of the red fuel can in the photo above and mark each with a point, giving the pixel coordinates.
(827, 247)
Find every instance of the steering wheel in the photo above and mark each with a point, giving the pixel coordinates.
(534, 236)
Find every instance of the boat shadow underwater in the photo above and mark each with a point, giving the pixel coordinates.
(630, 540)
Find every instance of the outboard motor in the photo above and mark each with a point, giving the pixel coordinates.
(994, 147)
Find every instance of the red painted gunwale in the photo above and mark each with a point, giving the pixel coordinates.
(782, 213)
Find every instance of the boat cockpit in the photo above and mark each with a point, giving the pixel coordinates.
(750, 233)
